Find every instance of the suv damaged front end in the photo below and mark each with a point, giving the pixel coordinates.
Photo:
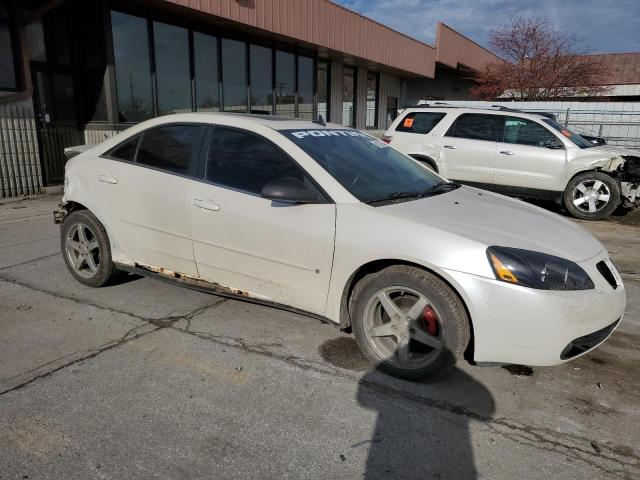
(626, 168)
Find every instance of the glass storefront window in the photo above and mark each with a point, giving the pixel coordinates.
(305, 88)
(322, 93)
(234, 75)
(133, 73)
(173, 80)
(349, 97)
(7, 61)
(261, 86)
(392, 110)
(285, 84)
(205, 62)
(371, 120)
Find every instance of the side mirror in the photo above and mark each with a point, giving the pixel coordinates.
(553, 144)
(289, 190)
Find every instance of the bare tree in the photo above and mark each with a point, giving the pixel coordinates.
(538, 63)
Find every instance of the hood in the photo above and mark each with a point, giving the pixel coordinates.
(612, 150)
(493, 219)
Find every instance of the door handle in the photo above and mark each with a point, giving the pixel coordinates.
(450, 147)
(206, 205)
(506, 152)
(107, 178)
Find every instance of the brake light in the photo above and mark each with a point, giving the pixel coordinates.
(386, 139)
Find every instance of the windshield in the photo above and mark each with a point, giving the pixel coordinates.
(574, 137)
(367, 167)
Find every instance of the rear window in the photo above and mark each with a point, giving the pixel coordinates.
(419, 122)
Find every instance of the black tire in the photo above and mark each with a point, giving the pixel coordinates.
(452, 318)
(588, 180)
(85, 253)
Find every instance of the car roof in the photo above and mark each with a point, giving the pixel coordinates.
(271, 121)
(491, 111)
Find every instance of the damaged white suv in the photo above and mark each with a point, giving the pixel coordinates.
(520, 154)
(332, 222)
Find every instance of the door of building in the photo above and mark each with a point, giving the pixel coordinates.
(56, 110)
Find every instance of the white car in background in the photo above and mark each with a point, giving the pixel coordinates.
(334, 223)
(520, 154)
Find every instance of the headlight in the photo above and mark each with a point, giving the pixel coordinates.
(537, 270)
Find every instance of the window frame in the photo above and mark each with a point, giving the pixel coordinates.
(195, 155)
(201, 168)
(541, 125)
(377, 101)
(16, 51)
(453, 125)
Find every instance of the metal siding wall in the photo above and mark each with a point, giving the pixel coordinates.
(20, 172)
(453, 49)
(328, 25)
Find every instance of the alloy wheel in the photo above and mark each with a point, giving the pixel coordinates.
(403, 327)
(82, 250)
(591, 196)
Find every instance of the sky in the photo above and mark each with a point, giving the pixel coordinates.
(598, 26)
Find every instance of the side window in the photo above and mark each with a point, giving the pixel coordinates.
(419, 122)
(125, 150)
(527, 132)
(477, 126)
(247, 162)
(170, 148)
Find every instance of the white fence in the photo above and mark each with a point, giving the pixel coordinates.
(617, 122)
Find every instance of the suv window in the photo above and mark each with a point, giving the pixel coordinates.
(527, 132)
(419, 122)
(170, 148)
(247, 162)
(477, 126)
(125, 150)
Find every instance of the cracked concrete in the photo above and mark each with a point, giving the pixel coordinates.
(145, 379)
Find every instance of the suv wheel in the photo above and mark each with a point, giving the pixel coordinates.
(592, 195)
(86, 249)
(409, 323)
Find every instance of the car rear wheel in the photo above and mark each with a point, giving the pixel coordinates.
(409, 323)
(86, 249)
(592, 195)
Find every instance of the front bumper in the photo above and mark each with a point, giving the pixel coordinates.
(514, 324)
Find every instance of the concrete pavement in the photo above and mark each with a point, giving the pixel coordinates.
(148, 380)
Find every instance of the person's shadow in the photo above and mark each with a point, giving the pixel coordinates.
(422, 432)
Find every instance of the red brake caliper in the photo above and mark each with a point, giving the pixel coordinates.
(430, 320)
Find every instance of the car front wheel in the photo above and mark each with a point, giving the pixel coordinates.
(409, 323)
(592, 196)
(86, 249)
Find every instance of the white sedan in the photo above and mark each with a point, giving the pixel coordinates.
(336, 224)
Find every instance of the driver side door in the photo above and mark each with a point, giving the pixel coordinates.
(271, 250)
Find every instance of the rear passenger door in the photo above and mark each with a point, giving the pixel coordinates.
(412, 137)
(468, 151)
(271, 250)
(529, 156)
(143, 185)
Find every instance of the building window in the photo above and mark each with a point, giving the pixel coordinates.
(133, 73)
(305, 88)
(234, 75)
(349, 97)
(322, 94)
(8, 77)
(173, 80)
(261, 86)
(285, 84)
(205, 62)
(371, 120)
(392, 110)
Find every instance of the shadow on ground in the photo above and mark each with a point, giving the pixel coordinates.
(405, 443)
